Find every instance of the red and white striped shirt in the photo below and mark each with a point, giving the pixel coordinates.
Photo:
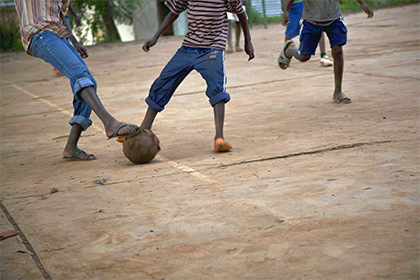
(207, 21)
(39, 15)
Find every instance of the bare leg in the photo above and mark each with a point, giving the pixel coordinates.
(292, 51)
(220, 145)
(288, 51)
(324, 60)
(219, 119)
(149, 118)
(71, 149)
(322, 44)
(339, 96)
(238, 36)
(89, 96)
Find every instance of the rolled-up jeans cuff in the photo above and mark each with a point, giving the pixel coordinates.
(153, 105)
(82, 121)
(222, 96)
(80, 84)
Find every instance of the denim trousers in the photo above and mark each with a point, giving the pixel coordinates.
(208, 62)
(64, 57)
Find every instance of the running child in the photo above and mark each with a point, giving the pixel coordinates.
(293, 29)
(203, 50)
(320, 16)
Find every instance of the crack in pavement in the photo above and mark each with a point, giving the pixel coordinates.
(275, 157)
(316, 151)
(26, 243)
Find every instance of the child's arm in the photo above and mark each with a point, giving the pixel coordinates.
(170, 18)
(365, 7)
(249, 48)
(286, 5)
(76, 17)
(76, 44)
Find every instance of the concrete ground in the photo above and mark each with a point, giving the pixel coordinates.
(311, 189)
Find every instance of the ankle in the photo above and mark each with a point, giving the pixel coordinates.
(69, 150)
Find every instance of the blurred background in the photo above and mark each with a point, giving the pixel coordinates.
(104, 21)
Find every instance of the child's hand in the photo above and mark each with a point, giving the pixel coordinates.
(285, 20)
(249, 50)
(78, 21)
(148, 44)
(368, 11)
(80, 49)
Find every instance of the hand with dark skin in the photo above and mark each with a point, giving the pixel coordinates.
(365, 8)
(79, 47)
(249, 48)
(170, 18)
(285, 6)
(76, 44)
(76, 17)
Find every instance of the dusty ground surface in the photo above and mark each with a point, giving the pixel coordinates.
(311, 190)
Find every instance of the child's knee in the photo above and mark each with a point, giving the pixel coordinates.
(220, 97)
(305, 57)
(337, 51)
(95, 85)
(80, 82)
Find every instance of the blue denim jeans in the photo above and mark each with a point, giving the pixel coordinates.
(64, 57)
(208, 62)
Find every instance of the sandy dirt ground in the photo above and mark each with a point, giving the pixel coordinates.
(311, 190)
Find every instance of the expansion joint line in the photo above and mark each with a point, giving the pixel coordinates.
(28, 245)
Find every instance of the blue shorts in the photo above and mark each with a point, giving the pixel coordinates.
(295, 14)
(311, 34)
(210, 63)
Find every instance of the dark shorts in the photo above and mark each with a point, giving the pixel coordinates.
(295, 14)
(210, 63)
(311, 34)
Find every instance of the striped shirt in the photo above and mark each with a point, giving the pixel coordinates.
(207, 21)
(39, 15)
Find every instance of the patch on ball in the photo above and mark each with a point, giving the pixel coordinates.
(142, 147)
